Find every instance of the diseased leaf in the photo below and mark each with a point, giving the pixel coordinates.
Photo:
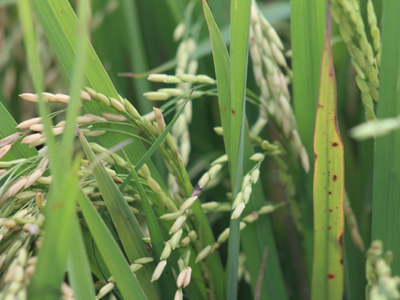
(328, 187)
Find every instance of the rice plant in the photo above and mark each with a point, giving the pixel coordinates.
(184, 149)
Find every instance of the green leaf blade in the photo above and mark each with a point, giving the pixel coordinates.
(52, 258)
(328, 188)
(240, 24)
(115, 260)
(79, 273)
(167, 282)
(386, 188)
(307, 31)
(125, 222)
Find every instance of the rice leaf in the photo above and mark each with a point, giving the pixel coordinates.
(386, 188)
(127, 282)
(79, 275)
(25, 15)
(240, 24)
(166, 281)
(137, 52)
(125, 222)
(307, 32)
(96, 261)
(328, 187)
(52, 257)
(77, 82)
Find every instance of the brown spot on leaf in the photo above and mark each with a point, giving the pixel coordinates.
(233, 112)
(341, 261)
(340, 239)
(320, 106)
(330, 210)
(331, 276)
(330, 227)
(334, 178)
(330, 193)
(334, 144)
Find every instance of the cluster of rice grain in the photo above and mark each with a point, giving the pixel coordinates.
(18, 276)
(22, 188)
(33, 174)
(238, 204)
(269, 65)
(364, 56)
(21, 234)
(268, 61)
(286, 167)
(381, 283)
(125, 112)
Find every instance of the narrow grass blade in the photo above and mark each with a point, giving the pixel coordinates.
(125, 222)
(167, 282)
(79, 275)
(115, 260)
(307, 32)
(52, 258)
(25, 15)
(137, 52)
(386, 187)
(77, 82)
(307, 24)
(328, 187)
(96, 261)
(240, 23)
(222, 67)
(223, 74)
